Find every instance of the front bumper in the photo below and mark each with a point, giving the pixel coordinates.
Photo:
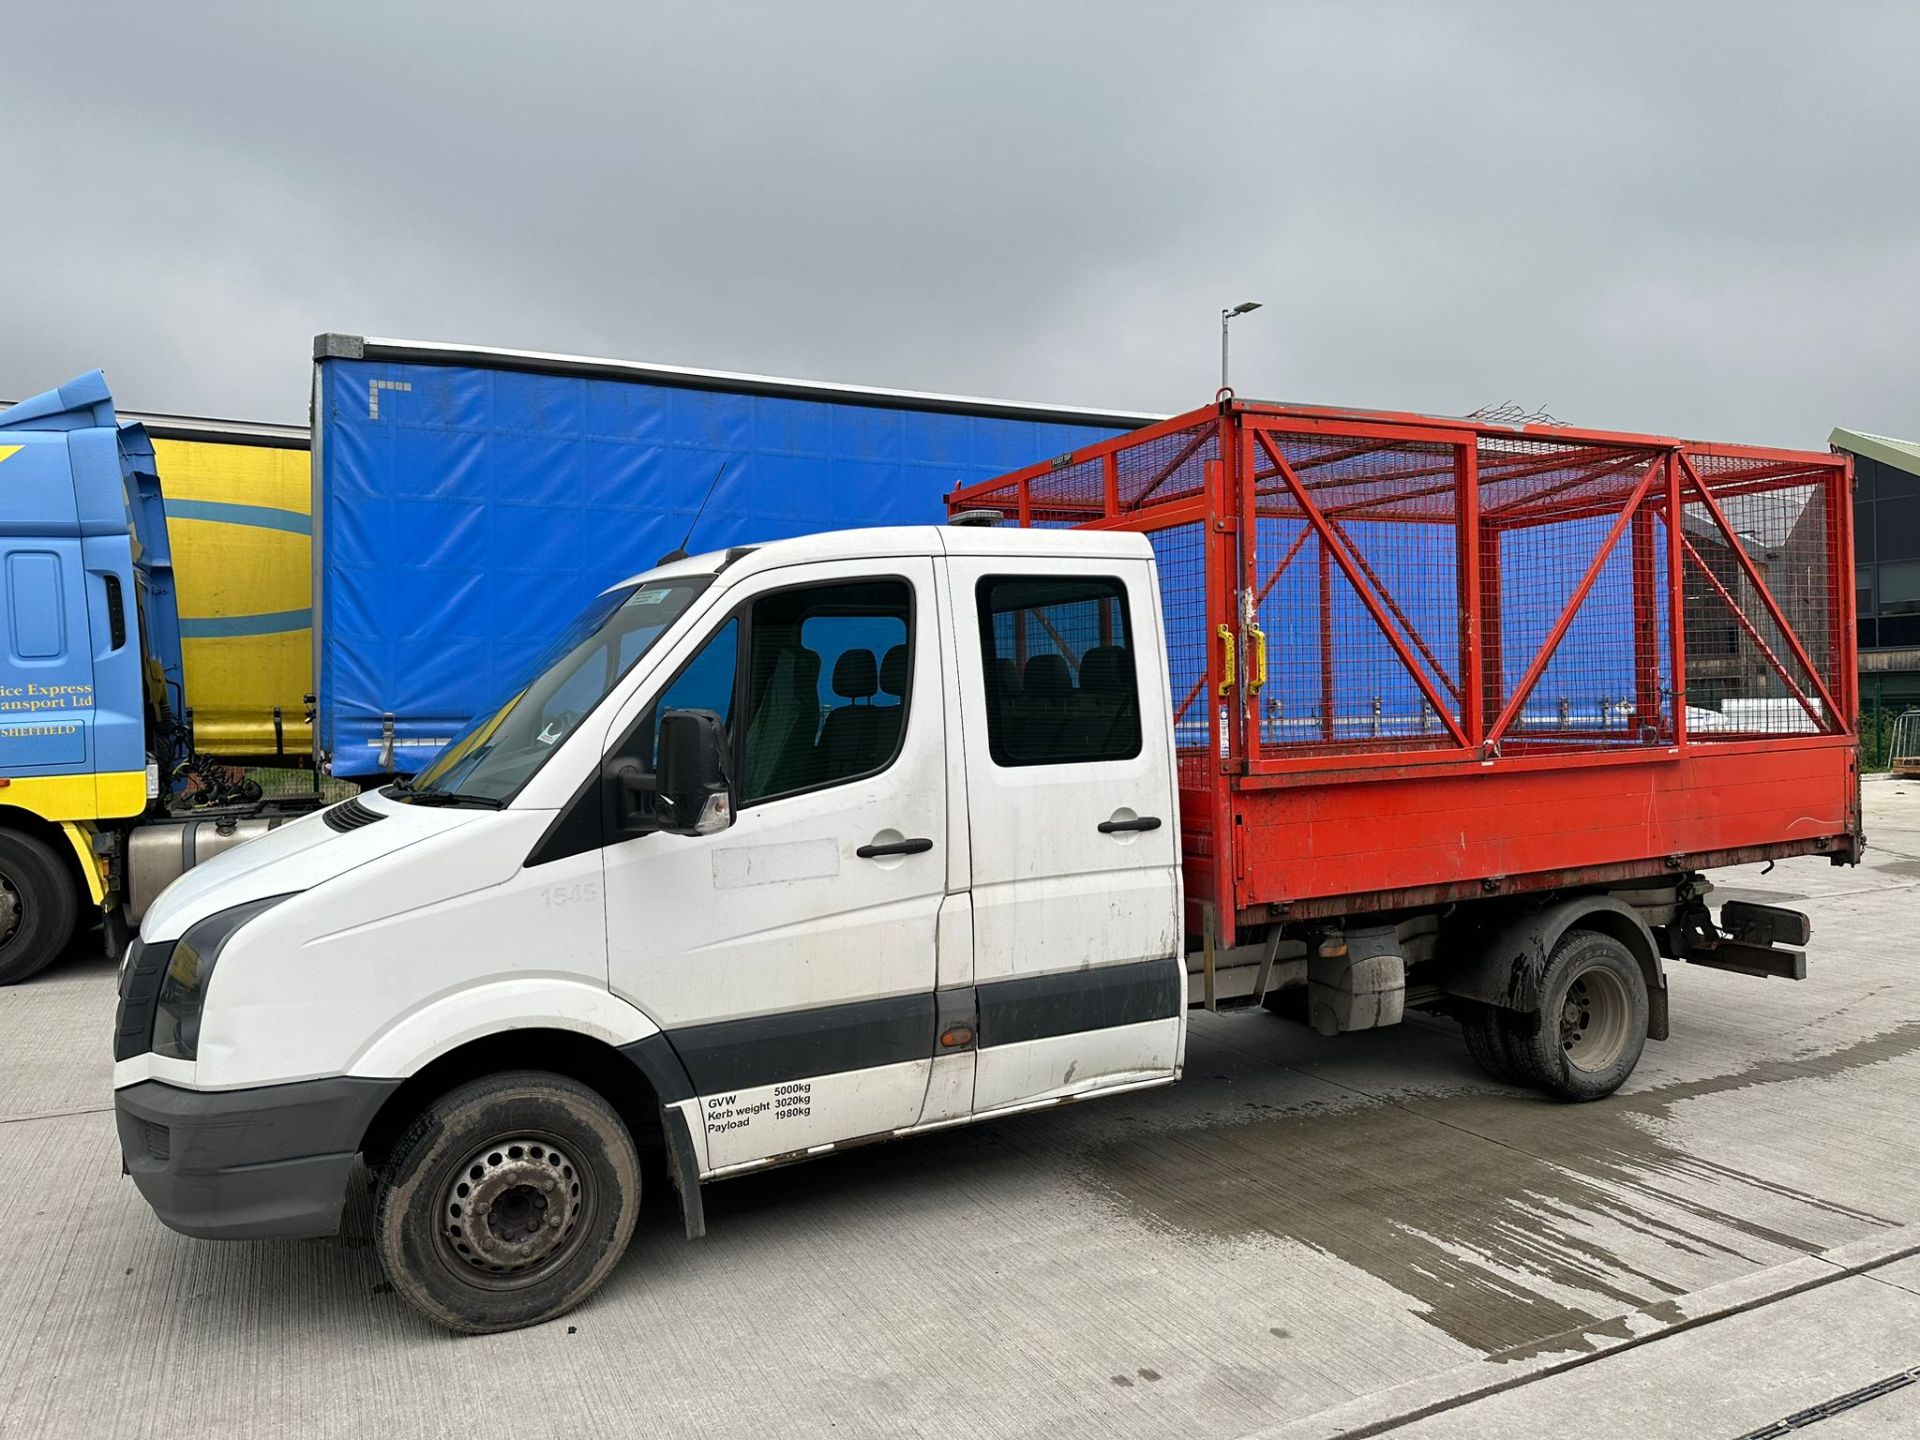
(268, 1162)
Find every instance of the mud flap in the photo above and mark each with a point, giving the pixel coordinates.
(684, 1169)
(1503, 969)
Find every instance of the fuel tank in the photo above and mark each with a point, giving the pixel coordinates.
(160, 853)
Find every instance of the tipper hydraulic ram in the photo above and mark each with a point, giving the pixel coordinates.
(1418, 662)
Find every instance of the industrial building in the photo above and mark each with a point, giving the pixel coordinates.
(1886, 577)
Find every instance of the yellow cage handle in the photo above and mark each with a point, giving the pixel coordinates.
(1256, 659)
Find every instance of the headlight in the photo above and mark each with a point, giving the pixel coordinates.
(183, 988)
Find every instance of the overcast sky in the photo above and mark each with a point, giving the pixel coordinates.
(1686, 218)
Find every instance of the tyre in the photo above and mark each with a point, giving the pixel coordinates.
(37, 906)
(1485, 1028)
(507, 1202)
(1590, 1026)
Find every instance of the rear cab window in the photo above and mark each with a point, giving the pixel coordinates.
(1058, 656)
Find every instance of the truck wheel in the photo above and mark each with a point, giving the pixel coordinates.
(1485, 1027)
(37, 906)
(1591, 1023)
(507, 1202)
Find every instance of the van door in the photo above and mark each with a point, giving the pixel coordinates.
(791, 958)
(1071, 809)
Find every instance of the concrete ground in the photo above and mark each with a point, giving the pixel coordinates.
(1752, 1370)
(1306, 1237)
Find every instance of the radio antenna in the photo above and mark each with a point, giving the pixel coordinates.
(681, 552)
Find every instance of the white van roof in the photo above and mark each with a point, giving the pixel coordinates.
(880, 541)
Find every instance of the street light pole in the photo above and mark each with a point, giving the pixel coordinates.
(1225, 316)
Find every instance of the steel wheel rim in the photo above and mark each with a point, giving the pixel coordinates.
(1594, 1019)
(514, 1211)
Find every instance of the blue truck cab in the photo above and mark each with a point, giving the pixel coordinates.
(89, 660)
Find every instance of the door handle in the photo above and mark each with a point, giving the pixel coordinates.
(1139, 822)
(898, 847)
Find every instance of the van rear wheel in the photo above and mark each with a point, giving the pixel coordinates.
(37, 906)
(507, 1202)
(1590, 1023)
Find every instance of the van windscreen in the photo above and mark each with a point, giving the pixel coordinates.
(500, 750)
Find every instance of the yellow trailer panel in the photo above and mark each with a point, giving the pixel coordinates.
(239, 516)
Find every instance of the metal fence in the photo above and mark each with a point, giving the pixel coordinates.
(1903, 753)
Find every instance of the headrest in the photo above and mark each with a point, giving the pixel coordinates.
(1048, 678)
(893, 671)
(1107, 670)
(1006, 679)
(854, 675)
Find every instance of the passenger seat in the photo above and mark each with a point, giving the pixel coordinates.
(780, 741)
(847, 737)
(1046, 700)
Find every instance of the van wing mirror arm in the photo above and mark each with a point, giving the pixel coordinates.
(691, 790)
(635, 794)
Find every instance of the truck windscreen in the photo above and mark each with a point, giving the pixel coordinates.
(500, 750)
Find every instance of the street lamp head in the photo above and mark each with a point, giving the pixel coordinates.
(1225, 316)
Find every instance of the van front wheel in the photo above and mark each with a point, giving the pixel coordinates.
(507, 1202)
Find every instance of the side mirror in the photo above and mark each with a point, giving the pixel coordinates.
(694, 786)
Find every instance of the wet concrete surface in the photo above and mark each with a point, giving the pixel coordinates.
(1302, 1222)
(1494, 1214)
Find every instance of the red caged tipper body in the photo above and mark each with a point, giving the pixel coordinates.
(1420, 660)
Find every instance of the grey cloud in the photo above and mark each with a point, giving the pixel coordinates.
(1689, 218)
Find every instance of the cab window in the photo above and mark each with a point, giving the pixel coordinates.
(706, 682)
(826, 685)
(823, 686)
(1058, 656)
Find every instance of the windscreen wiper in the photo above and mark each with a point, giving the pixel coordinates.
(454, 799)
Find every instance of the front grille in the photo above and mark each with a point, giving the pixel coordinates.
(351, 816)
(139, 996)
(157, 1139)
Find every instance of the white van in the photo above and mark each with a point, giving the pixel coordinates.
(779, 850)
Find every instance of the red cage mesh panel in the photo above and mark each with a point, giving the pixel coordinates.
(1574, 594)
(1336, 679)
(1607, 681)
(1348, 477)
(1525, 478)
(1744, 676)
(1151, 473)
(1180, 552)
(1359, 572)
(1166, 468)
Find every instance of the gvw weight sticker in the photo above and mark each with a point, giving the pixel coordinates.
(792, 1101)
